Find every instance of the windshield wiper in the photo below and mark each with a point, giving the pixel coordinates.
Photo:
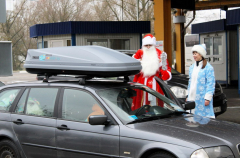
(149, 118)
(178, 113)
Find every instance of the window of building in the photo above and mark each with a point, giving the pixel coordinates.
(208, 43)
(98, 42)
(120, 44)
(45, 44)
(213, 45)
(217, 45)
(192, 40)
(69, 43)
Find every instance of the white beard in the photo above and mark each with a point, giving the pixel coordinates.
(150, 61)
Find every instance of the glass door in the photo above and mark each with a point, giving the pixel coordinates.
(216, 48)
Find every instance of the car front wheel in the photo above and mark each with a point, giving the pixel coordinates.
(161, 155)
(8, 150)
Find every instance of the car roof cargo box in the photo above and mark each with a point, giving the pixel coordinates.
(94, 61)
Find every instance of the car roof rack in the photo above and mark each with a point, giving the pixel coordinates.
(81, 79)
(86, 61)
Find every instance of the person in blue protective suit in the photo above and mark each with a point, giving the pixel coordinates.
(201, 83)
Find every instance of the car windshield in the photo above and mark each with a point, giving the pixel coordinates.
(174, 72)
(129, 105)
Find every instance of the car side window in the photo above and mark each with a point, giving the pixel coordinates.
(41, 101)
(7, 97)
(21, 103)
(79, 105)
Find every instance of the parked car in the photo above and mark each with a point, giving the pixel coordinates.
(179, 84)
(63, 119)
(87, 117)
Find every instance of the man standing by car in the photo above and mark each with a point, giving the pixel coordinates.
(154, 63)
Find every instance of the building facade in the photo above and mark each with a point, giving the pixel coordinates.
(125, 36)
(222, 41)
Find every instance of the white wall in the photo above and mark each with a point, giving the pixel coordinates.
(51, 38)
(81, 39)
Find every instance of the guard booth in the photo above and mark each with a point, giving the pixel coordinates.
(124, 36)
(221, 44)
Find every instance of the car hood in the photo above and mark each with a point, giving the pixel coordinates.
(195, 129)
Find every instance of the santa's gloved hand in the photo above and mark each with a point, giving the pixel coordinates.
(164, 60)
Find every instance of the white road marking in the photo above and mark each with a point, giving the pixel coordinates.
(234, 107)
(22, 71)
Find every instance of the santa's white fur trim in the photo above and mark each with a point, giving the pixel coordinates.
(150, 61)
(201, 49)
(148, 40)
(170, 74)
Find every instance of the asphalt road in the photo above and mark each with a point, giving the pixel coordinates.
(232, 114)
(18, 77)
(233, 111)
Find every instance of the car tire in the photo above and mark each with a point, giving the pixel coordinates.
(8, 150)
(161, 155)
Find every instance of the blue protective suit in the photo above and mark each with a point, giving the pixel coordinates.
(201, 86)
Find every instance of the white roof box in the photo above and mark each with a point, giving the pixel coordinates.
(95, 61)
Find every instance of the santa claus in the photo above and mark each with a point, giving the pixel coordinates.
(152, 65)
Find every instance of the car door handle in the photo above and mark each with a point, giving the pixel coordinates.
(63, 127)
(18, 121)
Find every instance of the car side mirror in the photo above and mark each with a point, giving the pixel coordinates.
(98, 120)
(189, 105)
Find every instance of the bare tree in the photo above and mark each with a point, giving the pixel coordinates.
(15, 30)
(28, 13)
(51, 11)
(114, 8)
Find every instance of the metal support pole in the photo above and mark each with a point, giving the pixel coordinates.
(122, 10)
(137, 10)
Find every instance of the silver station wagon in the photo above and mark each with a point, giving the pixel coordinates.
(89, 117)
(65, 119)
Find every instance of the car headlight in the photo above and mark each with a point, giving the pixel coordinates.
(199, 154)
(179, 92)
(213, 152)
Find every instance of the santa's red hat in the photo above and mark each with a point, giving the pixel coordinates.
(149, 39)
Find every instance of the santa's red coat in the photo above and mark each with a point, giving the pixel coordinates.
(139, 101)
